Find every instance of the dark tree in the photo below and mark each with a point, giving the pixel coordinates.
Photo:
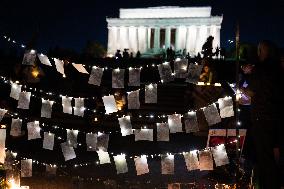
(94, 50)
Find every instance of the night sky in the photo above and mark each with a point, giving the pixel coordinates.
(69, 23)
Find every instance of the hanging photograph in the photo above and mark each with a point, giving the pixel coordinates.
(174, 122)
(16, 127)
(141, 165)
(96, 76)
(190, 122)
(48, 141)
(191, 160)
(68, 151)
(220, 155)
(143, 134)
(2, 113)
(118, 78)
(24, 100)
(168, 164)
(193, 74)
(91, 141)
(29, 57)
(125, 125)
(44, 59)
(72, 137)
(134, 77)
(205, 160)
(46, 108)
(15, 91)
(165, 72)
(66, 104)
(59, 66)
(33, 130)
(163, 132)
(110, 104)
(180, 67)
(151, 93)
(212, 115)
(2, 145)
(27, 168)
(79, 108)
(103, 157)
(133, 100)
(120, 164)
(226, 107)
(102, 141)
(80, 68)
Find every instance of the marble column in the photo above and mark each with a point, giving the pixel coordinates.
(142, 39)
(148, 38)
(180, 38)
(168, 37)
(133, 39)
(191, 40)
(112, 40)
(201, 38)
(157, 39)
(123, 38)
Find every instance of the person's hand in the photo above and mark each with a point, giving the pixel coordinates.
(247, 69)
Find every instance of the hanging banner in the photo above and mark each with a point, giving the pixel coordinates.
(96, 76)
(118, 78)
(167, 164)
(91, 141)
(59, 66)
(205, 160)
(46, 108)
(16, 127)
(143, 134)
(212, 115)
(125, 125)
(66, 104)
(72, 137)
(120, 164)
(102, 140)
(174, 122)
(141, 165)
(48, 141)
(103, 157)
(68, 151)
(80, 68)
(2, 113)
(27, 168)
(191, 160)
(50, 170)
(2, 145)
(151, 93)
(79, 107)
(24, 100)
(190, 122)
(133, 100)
(165, 72)
(15, 91)
(220, 155)
(180, 67)
(193, 74)
(29, 57)
(33, 130)
(163, 132)
(134, 77)
(110, 104)
(226, 107)
(44, 59)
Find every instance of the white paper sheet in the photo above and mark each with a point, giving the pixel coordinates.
(110, 104)
(102, 141)
(151, 93)
(191, 123)
(118, 78)
(91, 141)
(29, 57)
(226, 107)
(194, 72)
(205, 160)
(68, 151)
(27, 168)
(44, 59)
(59, 66)
(180, 67)
(48, 141)
(133, 100)
(167, 164)
(141, 165)
(80, 68)
(165, 72)
(79, 108)
(46, 108)
(134, 77)
(120, 164)
(2, 113)
(24, 100)
(16, 127)
(15, 91)
(220, 155)
(212, 115)
(72, 137)
(2, 145)
(143, 134)
(103, 157)
(66, 104)
(191, 160)
(174, 122)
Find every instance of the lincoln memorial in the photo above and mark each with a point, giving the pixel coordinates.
(154, 29)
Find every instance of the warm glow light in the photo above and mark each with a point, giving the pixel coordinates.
(35, 73)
